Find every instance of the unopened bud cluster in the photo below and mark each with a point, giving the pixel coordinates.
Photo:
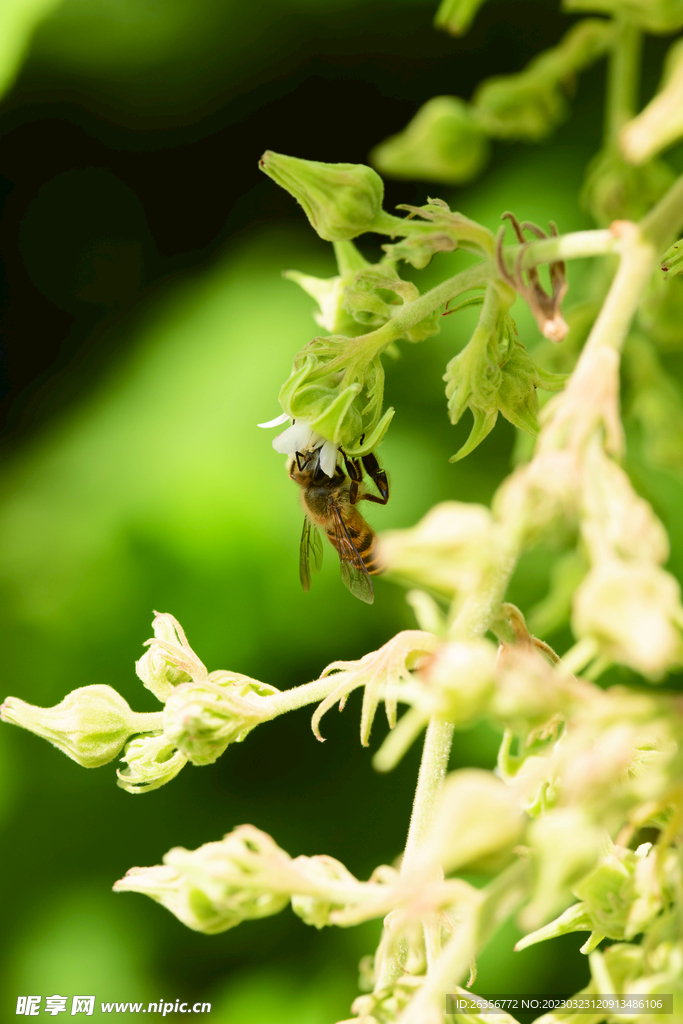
(203, 713)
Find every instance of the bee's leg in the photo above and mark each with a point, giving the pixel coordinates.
(354, 472)
(379, 478)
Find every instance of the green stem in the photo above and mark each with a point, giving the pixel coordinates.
(419, 309)
(297, 697)
(482, 606)
(148, 721)
(614, 320)
(575, 245)
(623, 79)
(664, 220)
(435, 754)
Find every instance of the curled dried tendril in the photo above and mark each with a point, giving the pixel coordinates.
(546, 308)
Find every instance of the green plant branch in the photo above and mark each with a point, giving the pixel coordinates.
(435, 754)
(298, 697)
(623, 79)
(575, 245)
(433, 767)
(414, 312)
(572, 246)
(637, 261)
(480, 608)
(665, 220)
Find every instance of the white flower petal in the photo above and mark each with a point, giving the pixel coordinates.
(297, 438)
(276, 422)
(328, 458)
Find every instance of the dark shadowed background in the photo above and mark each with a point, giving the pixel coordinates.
(146, 330)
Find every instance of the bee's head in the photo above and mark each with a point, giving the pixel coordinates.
(303, 467)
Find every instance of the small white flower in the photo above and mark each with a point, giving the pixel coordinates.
(300, 437)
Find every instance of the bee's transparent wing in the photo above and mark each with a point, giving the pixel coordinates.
(310, 553)
(353, 572)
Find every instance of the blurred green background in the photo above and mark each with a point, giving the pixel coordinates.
(147, 330)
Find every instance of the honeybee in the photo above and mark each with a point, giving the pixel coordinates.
(330, 504)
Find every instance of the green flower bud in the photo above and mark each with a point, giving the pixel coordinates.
(170, 659)
(520, 377)
(566, 844)
(219, 885)
(531, 693)
(651, 15)
(203, 718)
(459, 681)
(620, 897)
(386, 1005)
(450, 550)
(90, 725)
(364, 295)
(152, 762)
(340, 200)
(316, 909)
(479, 816)
(623, 881)
(530, 104)
(456, 16)
(494, 373)
(329, 293)
(519, 107)
(632, 611)
(444, 142)
(672, 260)
(539, 496)
(616, 190)
(336, 389)
(615, 519)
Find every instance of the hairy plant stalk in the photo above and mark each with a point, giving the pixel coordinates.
(433, 768)
(298, 697)
(480, 608)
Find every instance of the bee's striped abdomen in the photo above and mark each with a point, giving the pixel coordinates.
(364, 541)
